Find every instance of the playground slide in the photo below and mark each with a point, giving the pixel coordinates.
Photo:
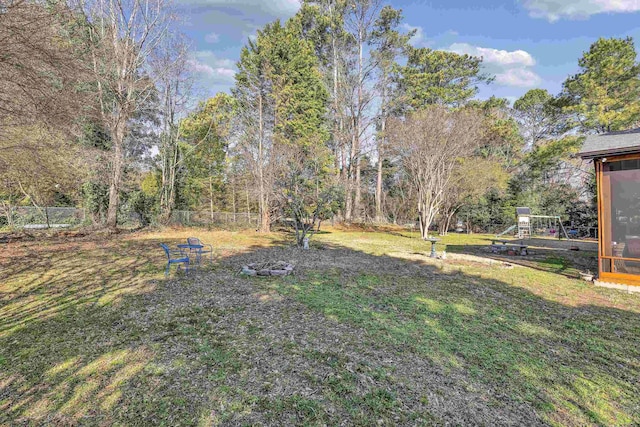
(508, 230)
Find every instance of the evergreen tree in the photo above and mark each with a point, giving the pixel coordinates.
(205, 140)
(282, 101)
(439, 77)
(389, 45)
(539, 115)
(605, 94)
(322, 23)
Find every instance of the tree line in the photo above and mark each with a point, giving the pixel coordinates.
(333, 114)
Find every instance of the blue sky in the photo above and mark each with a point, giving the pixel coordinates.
(524, 43)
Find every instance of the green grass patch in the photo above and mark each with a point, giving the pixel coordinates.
(534, 351)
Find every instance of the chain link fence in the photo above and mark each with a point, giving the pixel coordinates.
(577, 232)
(215, 219)
(31, 217)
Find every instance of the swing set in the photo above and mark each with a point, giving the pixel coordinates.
(529, 225)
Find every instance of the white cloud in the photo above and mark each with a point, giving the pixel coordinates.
(213, 68)
(519, 77)
(209, 57)
(495, 56)
(554, 10)
(276, 7)
(219, 74)
(511, 68)
(199, 67)
(212, 38)
(418, 38)
(225, 72)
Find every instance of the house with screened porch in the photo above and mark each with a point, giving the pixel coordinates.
(616, 157)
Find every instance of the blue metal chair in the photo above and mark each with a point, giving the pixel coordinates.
(184, 259)
(201, 251)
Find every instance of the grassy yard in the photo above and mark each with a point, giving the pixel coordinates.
(368, 331)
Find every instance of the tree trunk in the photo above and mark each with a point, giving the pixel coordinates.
(265, 216)
(348, 203)
(448, 221)
(379, 183)
(357, 202)
(381, 140)
(246, 189)
(9, 215)
(427, 214)
(211, 197)
(116, 176)
(350, 206)
(344, 178)
(443, 227)
(170, 154)
(265, 220)
(171, 201)
(343, 155)
(379, 216)
(336, 127)
(233, 198)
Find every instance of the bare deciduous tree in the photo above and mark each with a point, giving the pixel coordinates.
(39, 67)
(311, 193)
(430, 144)
(123, 34)
(170, 65)
(36, 164)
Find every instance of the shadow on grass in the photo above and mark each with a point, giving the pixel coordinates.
(89, 335)
(543, 256)
(400, 234)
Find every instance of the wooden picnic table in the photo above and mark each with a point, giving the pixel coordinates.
(506, 244)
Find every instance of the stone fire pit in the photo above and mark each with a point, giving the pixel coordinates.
(270, 268)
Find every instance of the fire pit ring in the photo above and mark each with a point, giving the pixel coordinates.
(269, 268)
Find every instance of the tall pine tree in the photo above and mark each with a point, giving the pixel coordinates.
(605, 94)
(283, 101)
(437, 77)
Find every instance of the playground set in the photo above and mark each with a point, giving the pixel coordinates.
(528, 225)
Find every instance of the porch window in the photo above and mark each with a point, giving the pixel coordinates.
(620, 211)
